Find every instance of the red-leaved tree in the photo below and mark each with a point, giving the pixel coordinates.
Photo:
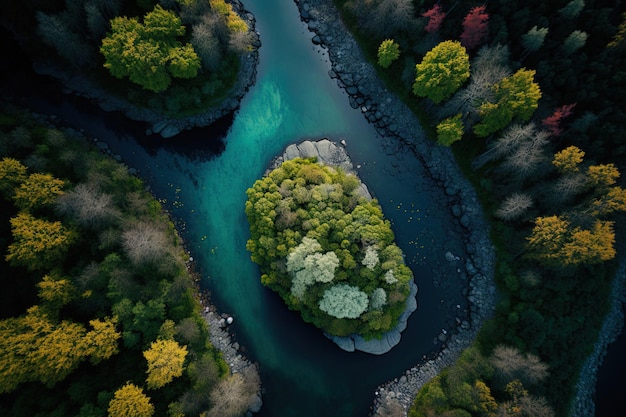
(554, 122)
(475, 27)
(435, 17)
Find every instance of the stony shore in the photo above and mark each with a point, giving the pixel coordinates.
(79, 85)
(393, 119)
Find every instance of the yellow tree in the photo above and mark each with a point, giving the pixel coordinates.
(101, 342)
(567, 160)
(165, 362)
(602, 175)
(12, 173)
(55, 291)
(38, 190)
(37, 243)
(130, 401)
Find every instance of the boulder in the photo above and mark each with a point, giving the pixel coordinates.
(307, 149)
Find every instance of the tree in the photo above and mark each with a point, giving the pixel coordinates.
(388, 51)
(130, 401)
(574, 42)
(12, 174)
(370, 260)
(555, 242)
(568, 160)
(435, 17)
(145, 243)
(442, 71)
(378, 298)
(516, 96)
(102, 342)
(390, 16)
(554, 122)
(514, 206)
(165, 362)
(37, 191)
(344, 301)
(88, 206)
(57, 32)
(619, 37)
(602, 175)
(206, 42)
(55, 291)
(233, 395)
(511, 364)
(475, 27)
(149, 54)
(450, 130)
(572, 9)
(37, 244)
(534, 38)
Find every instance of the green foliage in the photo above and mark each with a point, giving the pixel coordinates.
(516, 96)
(442, 71)
(388, 52)
(149, 54)
(450, 130)
(326, 250)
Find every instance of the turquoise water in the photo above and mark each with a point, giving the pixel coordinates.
(303, 373)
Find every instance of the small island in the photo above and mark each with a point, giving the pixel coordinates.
(323, 245)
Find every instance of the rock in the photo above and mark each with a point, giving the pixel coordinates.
(307, 149)
(450, 257)
(291, 152)
(256, 405)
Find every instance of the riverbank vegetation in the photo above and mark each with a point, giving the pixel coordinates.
(177, 57)
(99, 313)
(326, 249)
(537, 127)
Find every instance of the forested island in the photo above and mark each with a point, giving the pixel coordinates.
(528, 97)
(324, 246)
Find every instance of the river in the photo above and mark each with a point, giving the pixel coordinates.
(303, 373)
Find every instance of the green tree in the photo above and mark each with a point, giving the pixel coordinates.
(37, 243)
(442, 71)
(574, 42)
(130, 401)
(572, 9)
(534, 38)
(38, 190)
(450, 130)
(149, 54)
(165, 362)
(516, 96)
(388, 52)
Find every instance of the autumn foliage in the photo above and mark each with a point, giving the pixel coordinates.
(435, 17)
(475, 27)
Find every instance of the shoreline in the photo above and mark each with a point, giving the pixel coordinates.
(394, 121)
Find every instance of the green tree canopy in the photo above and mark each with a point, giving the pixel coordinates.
(442, 71)
(450, 130)
(317, 239)
(149, 54)
(516, 96)
(388, 52)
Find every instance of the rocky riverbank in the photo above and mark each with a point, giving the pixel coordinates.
(80, 85)
(395, 122)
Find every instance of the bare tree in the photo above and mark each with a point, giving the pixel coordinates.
(567, 187)
(506, 144)
(511, 364)
(206, 41)
(145, 243)
(88, 206)
(235, 394)
(514, 206)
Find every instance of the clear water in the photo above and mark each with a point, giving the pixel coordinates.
(304, 374)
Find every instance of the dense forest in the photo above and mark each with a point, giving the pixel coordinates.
(527, 94)
(326, 249)
(100, 311)
(177, 57)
